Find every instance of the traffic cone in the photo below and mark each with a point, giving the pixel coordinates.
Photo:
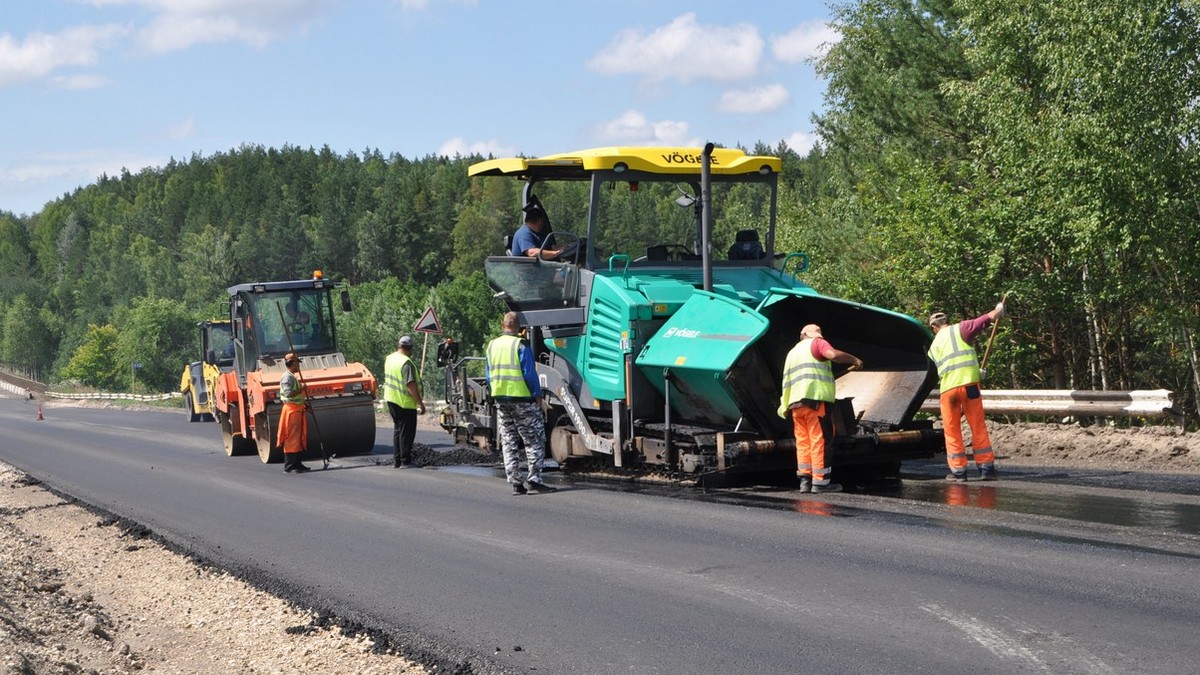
(40, 418)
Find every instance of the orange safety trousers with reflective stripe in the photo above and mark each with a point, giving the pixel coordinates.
(293, 428)
(810, 443)
(955, 404)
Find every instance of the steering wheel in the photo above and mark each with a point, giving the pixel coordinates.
(677, 252)
(568, 252)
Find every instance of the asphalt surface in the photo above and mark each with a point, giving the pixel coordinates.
(601, 579)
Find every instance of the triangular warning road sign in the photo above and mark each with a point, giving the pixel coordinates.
(428, 323)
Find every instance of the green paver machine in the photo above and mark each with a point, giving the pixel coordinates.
(668, 360)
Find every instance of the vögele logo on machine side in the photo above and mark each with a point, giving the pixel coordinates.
(681, 332)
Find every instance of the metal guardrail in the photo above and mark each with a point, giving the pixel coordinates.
(1073, 402)
(14, 389)
(113, 397)
(1049, 402)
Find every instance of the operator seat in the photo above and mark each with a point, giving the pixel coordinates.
(746, 246)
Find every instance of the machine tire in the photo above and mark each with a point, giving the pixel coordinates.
(234, 445)
(189, 407)
(268, 452)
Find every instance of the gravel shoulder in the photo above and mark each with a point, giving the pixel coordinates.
(84, 592)
(81, 592)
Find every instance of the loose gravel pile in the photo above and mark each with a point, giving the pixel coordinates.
(423, 455)
(79, 593)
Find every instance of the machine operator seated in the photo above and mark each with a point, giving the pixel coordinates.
(537, 273)
(298, 323)
(535, 238)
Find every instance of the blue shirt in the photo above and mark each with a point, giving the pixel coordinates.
(525, 356)
(526, 238)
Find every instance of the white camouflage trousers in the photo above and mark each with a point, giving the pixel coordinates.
(522, 423)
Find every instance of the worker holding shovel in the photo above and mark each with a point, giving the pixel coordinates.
(960, 374)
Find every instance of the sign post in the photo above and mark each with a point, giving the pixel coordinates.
(427, 324)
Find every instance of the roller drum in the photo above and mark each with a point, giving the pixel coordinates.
(346, 425)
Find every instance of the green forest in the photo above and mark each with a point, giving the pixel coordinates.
(969, 150)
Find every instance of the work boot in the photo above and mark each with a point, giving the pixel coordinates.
(538, 486)
(957, 477)
(987, 473)
(518, 489)
(805, 483)
(302, 469)
(828, 487)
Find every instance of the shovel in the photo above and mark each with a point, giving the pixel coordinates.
(988, 350)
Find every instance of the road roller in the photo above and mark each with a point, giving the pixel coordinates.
(270, 319)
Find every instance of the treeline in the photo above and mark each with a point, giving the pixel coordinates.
(1044, 149)
(969, 149)
(104, 286)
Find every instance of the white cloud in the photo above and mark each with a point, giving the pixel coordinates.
(634, 128)
(763, 99)
(421, 5)
(683, 50)
(179, 24)
(79, 82)
(41, 54)
(182, 130)
(801, 142)
(174, 25)
(461, 147)
(26, 186)
(803, 42)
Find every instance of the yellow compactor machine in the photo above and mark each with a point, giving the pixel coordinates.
(199, 381)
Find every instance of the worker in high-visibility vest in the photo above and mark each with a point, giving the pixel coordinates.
(402, 391)
(959, 378)
(293, 427)
(808, 389)
(513, 383)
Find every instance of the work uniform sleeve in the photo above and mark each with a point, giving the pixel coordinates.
(525, 355)
(522, 241)
(819, 347)
(972, 327)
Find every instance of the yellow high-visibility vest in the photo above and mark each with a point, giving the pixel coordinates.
(805, 377)
(955, 358)
(504, 368)
(394, 389)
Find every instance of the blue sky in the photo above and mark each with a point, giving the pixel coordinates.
(94, 86)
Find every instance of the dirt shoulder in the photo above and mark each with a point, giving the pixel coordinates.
(84, 593)
(1154, 449)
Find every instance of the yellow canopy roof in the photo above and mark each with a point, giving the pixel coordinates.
(662, 160)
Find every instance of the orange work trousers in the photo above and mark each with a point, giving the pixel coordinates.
(808, 426)
(293, 428)
(956, 403)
